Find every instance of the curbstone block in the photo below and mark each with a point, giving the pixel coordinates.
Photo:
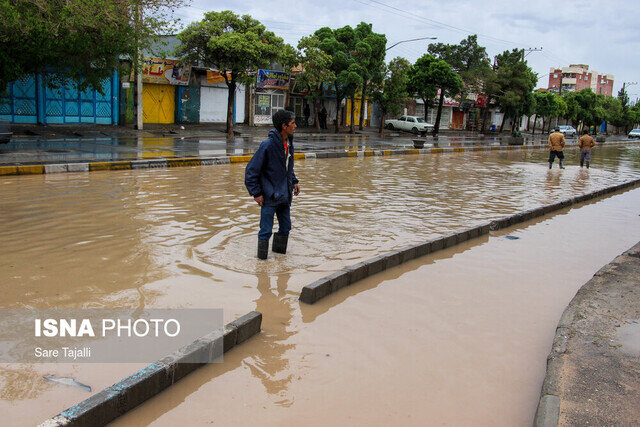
(322, 155)
(407, 254)
(392, 259)
(59, 168)
(8, 170)
(449, 240)
(30, 169)
(358, 272)
(339, 279)
(437, 244)
(140, 164)
(78, 167)
(310, 155)
(548, 411)
(315, 291)
(247, 326)
(376, 265)
(423, 249)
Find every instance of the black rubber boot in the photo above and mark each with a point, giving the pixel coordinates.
(263, 248)
(561, 167)
(550, 164)
(587, 165)
(280, 243)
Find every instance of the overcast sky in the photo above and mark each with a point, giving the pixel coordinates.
(605, 34)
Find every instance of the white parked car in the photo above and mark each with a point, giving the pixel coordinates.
(634, 133)
(413, 124)
(568, 130)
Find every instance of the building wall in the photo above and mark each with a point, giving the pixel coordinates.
(577, 77)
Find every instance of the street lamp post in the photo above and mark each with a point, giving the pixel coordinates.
(410, 40)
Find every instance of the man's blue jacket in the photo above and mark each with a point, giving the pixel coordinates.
(267, 173)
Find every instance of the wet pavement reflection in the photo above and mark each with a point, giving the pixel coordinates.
(104, 148)
(186, 237)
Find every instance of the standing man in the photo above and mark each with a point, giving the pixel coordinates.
(270, 180)
(586, 143)
(556, 144)
(322, 116)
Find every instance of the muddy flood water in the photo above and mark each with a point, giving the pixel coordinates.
(458, 337)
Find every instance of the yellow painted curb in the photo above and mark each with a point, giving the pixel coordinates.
(30, 169)
(239, 159)
(495, 148)
(386, 152)
(459, 150)
(437, 150)
(8, 170)
(413, 151)
(109, 166)
(190, 161)
(298, 156)
(478, 148)
(352, 153)
(368, 153)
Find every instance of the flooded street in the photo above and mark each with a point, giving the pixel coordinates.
(457, 338)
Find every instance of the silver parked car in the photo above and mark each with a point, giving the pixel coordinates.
(568, 130)
(634, 133)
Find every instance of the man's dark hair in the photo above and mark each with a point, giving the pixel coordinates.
(557, 129)
(281, 117)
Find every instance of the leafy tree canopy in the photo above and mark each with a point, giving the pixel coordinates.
(77, 39)
(232, 43)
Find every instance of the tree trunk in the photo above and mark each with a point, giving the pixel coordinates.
(230, 99)
(382, 124)
(484, 119)
(504, 116)
(316, 119)
(352, 127)
(535, 119)
(364, 90)
(436, 126)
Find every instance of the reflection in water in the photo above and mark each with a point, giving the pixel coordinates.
(271, 366)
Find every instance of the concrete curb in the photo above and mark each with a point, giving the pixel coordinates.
(125, 395)
(322, 287)
(548, 411)
(39, 169)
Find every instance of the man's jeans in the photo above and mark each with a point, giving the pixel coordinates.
(283, 212)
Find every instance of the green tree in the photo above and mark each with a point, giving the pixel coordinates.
(77, 39)
(371, 50)
(391, 92)
(468, 59)
(421, 82)
(513, 82)
(234, 45)
(340, 46)
(315, 72)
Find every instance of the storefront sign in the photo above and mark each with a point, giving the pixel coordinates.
(165, 71)
(272, 79)
(216, 76)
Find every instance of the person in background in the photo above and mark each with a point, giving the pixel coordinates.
(307, 112)
(556, 145)
(586, 143)
(322, 116)
(271, 181)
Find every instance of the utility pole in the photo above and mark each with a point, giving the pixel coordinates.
(139, 67)
(529, 50)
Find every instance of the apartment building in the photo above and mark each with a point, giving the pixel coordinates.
(578, 77)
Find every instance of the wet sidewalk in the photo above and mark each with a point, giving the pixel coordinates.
(593, 370)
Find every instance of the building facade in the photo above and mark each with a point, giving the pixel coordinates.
(577, 77)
